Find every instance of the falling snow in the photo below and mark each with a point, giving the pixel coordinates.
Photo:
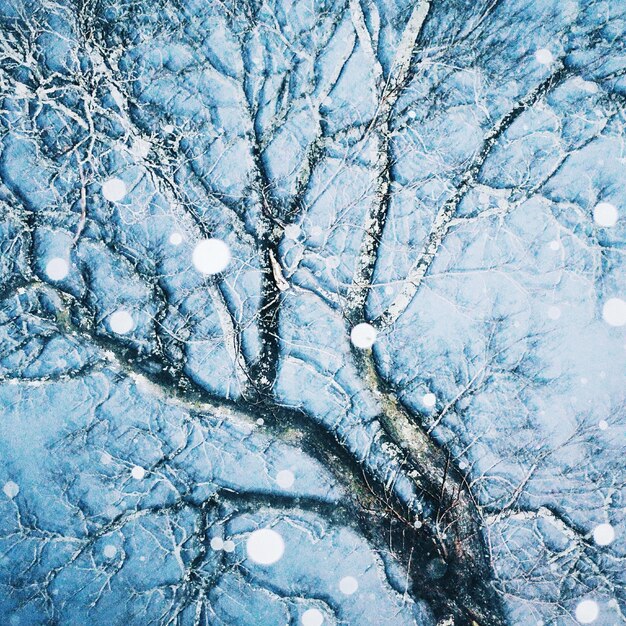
(604, 534)
(312, 313)
(114, 190)
(57, 269)
(121, 322)
(312, 617)
(587, 612)
(614, 312)
(211, 256)
(265, 546)
(348, 585)
(363, 336)
(285, 479)
(10, 489)
(605, 215)
(138, 472)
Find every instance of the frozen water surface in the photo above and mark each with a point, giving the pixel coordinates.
(312, 312)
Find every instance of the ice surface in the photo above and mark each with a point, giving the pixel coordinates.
(312, 312)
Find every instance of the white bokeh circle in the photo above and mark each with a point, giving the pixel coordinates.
(614, 312)
(587, 612)
(429, 400)
(57, 268)
(176, 239)
(603, 534)
(285, 479)
(363, 335)
(121, 322)
(211, 256)
(138, 472)
(114, 189)
(265, 546)
(605, 214)
(110, 551)
(312, 617)
(10, 489)
(544, 56)
(348, 585)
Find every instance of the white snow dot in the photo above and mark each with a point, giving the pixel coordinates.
(211, 256)
(229, 546)
(265, 546)
(312, 617)
(603, 534)
(260, 421)
(363, 335)
(411, 114)
(57, 268)
(138, 472)
(418, 524)
(10, 489)
(285, 479)
(114, 189)
(605, 214)
(176, 239)
(292, 231)
(110, 551)
(614, 312)
(584, 380)
(348, 585)
(544, 56)
(217, 543)
(587, 611)
(168, 128)
(555, 245)
(121, 322)
(554, 312)
(429, 399)
(140, 148)
(603, 424)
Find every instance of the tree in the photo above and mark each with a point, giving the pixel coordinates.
(312, 311)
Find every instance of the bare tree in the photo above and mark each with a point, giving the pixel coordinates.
(311, 269)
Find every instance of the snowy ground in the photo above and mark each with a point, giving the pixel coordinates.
(312, 312)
